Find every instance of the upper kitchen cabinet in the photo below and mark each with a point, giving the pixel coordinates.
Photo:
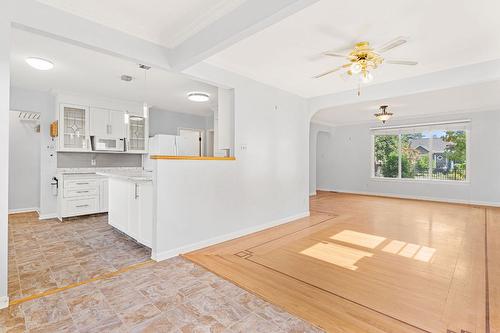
(74, 128)
(107, 123)
(137, 134)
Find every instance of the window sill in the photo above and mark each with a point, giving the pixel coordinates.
(421, 181)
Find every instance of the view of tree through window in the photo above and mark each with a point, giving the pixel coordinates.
(433, 154)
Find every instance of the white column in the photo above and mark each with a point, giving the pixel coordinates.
(4, 150)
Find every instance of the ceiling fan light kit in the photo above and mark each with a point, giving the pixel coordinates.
(364, 59)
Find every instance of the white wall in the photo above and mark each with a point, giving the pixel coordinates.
(201, 202)
(43, 102)
(24, 165)
(347, 164)
(167, 122)
(314, 129)
(4, 147)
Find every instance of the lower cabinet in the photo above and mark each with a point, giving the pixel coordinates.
(82, 194)
(131, 209)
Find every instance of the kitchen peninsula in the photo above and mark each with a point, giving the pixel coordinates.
(130, 206)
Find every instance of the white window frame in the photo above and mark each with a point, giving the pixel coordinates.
(397, 131)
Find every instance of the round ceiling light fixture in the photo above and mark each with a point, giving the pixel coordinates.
(39, 63)
(196, 96)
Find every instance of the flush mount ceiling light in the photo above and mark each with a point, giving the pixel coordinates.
(39, 63)
(383, 115)
(198, 96)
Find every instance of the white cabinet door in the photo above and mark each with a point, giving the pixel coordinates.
(137, 135)
(116, 124)
(99, 119)
(119, 196)
(74, 128)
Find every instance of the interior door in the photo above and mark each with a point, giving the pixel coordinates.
(189, 143)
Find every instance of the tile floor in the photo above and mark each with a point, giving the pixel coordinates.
(174, 295)
(51, 254)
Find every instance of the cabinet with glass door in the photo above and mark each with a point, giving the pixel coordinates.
(137, 134)
(73, 128)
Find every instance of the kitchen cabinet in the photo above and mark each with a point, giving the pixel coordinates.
(131, 208)
(82, 194)
(137, 135)
(107, 123)
(73, 128)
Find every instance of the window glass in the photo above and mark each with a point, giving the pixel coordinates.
(427, 154)
(386, 156)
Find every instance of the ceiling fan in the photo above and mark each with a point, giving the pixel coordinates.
(363, 59)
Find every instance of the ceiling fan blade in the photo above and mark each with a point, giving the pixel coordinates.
(327, 72)
(401, 62)
(335, 54)
(392, 44)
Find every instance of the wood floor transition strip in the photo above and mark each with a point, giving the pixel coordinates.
(81, 283)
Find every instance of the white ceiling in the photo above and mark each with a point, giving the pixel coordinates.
(478, 97)
(83, 71)
(164, 22)
(444, 34)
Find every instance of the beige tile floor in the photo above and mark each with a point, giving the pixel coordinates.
(174, 295)
(50, 254)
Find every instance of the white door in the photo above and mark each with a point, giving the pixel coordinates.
(189, 143)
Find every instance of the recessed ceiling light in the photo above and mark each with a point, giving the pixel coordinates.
(198, 96)
(39, 63)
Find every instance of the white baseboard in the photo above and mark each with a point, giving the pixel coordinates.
(219, 239)
(312, 193)
(47, 216)
(4, 302)
(416, 197)
(24, 210)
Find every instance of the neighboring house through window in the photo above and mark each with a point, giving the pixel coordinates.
(431, 152)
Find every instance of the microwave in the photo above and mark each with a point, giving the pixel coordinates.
(107, 144)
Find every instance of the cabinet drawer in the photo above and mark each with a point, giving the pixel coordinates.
(80, 183)
(80, 206)
(80, 192)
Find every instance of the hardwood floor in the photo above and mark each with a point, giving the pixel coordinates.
(372, 264)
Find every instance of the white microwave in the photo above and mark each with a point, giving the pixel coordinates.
(107, 144)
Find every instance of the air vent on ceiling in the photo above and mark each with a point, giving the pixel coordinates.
(126, 78)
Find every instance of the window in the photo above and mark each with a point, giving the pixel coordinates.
(434, 152)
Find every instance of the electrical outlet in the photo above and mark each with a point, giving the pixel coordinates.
(93, 162)
(243, 147)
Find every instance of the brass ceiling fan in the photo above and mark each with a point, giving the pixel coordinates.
(363, 59)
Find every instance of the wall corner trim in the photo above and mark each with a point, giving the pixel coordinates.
(219, 239)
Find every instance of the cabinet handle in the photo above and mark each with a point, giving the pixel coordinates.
(81, 206)
(82, 191)
(82, 183)
(136, 191)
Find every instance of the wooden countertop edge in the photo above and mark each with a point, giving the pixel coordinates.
(198, 158)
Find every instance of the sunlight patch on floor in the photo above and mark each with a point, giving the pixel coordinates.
(358, 238)
(339, 255)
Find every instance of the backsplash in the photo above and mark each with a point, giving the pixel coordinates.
(102, 160)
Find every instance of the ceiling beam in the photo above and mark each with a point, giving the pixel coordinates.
(247, 19)
(449, 78)
(36, 17)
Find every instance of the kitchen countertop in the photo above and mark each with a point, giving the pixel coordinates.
(76, 171)
(128, 175)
